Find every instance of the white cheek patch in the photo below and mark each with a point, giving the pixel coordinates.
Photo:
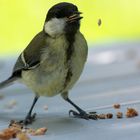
(55, 26)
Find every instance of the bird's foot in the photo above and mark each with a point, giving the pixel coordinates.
(29, 119)
(83, 115)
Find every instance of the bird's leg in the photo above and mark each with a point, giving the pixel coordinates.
(30, 117)
(81, 113)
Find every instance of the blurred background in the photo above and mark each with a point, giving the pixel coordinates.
(21, 20)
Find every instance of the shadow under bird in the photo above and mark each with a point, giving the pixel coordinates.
(54, 59)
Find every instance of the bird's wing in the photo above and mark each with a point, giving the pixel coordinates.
(30, 57)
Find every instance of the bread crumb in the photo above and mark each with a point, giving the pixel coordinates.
(131, 112)
(109, 116)
(101, 116)
(22, 136)
(29, 130)
(7, 134)
(40, 131)
(17, 130)
(119, 115)
(117, 106)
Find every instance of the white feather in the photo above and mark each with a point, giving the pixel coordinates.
(55, 26)
(23, 60)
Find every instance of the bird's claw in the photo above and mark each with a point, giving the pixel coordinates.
(28, 120)
(83, 115)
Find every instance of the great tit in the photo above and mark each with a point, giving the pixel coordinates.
(54, 59)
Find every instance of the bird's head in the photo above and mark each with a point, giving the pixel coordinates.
(62, 18)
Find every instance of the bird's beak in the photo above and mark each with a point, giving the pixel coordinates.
(75, 17)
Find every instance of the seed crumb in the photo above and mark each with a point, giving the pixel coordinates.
(119, 115)
(131, 112)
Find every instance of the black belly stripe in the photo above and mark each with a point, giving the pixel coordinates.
(69, 53)
(70, 30)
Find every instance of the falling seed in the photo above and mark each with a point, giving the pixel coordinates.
(99, 22)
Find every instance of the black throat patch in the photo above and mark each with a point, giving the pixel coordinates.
(70, 36)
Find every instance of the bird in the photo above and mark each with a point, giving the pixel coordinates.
(53, 61)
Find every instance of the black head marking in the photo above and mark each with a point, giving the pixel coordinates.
(65, 10)
(61, 10)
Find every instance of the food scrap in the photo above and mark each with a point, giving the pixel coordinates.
(7, 134)
(109, 116)
(117, 106)
(40, 131)
(105, 116)
(22, 136)
(119, 115)
(131, 112)
(101, 116)
(16, 130)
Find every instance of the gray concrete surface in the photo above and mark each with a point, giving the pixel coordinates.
(111, 75)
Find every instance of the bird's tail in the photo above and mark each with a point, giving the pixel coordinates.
(7, 82)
